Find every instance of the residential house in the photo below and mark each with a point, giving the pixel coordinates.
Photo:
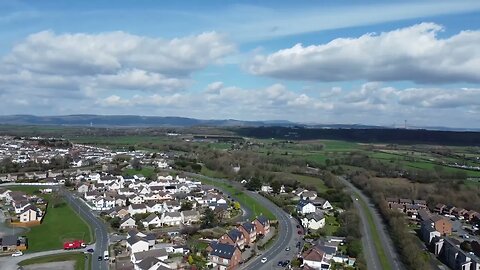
(30, 213)
(322, 204)
(224, 256)
(441, 224)
(305, 207)
(160, 254)
(308, 195)
(137, 244)
(313, 221)
(190, 216)
(171, 219)
(152, 220)
(315, 258)
(234, 237)
(439, 208)
(137, 209)
(262, 225)
(82, 188)
(249, 232)
(428, 232)
(127, 223)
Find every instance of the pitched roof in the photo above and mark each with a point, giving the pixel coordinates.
(235, 234)
(313, 254)
(263, 220)
(155, 253)
(248, 226)
(146, 263)
(135, 239)
(225, 251)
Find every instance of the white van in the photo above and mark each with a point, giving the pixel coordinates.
(105, 255)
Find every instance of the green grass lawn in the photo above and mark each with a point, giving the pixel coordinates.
(245, 200)
(331, 225)
(60, 223)
(145, 171)
(79, 259)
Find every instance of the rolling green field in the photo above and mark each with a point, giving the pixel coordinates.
(60, 223)
(78, 258)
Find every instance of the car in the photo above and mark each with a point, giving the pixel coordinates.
(17, 253)
(100, 258)
(264, 260)
(298, 226)
(299, 232)
(90, 250)
(280, 263)
(287, 249)
(298, 244)
(285, 263)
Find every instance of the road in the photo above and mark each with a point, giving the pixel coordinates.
(371, 255)
(99, 228)
(287, 231)
(10, 263)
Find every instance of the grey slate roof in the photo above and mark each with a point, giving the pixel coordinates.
(225, 251)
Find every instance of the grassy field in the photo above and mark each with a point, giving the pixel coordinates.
(145, 171)
(256, 208)
(79, 259)
(60, 223)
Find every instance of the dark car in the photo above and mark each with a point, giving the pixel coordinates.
(280, 263)
(298, 244)
(90, 250)
(100, 258)
(299, 232)
(298, 226)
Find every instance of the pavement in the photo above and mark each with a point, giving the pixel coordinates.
(287, 231)
(371, 255)
(10, 263)
(98, 227)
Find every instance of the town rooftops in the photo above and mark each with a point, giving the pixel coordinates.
(135, 239)
(235, 234)
(248, 226)
(147, 263)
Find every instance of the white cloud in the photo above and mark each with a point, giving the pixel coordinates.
(412, 54)
(46, 61)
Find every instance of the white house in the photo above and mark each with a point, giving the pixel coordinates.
(322, 204)
(171, 219)
(127, 223)
(136, 199)
(313, 221)
(82, 188)
(137, 209)
(153, 220)
(137, 244)
(305, 207)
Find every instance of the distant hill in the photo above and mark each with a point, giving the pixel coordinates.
(129, 121)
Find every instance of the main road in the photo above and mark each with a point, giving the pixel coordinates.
(286, 235)
(368, 244)
(99, 228)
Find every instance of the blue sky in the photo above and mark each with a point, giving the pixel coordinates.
(376, 62)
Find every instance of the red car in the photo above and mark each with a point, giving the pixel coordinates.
(299, 232)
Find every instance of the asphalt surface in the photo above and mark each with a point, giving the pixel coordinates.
(10, 263)
(97, 226)
(367, 240)
(286, 236)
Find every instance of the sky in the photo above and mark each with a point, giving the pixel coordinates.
(348, 62)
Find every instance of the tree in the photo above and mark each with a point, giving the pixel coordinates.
(136, 164)
(187, 205)
(131, 148)
(115, 222)
(209, 220)
(276, 186)
(56, 200)
(254, 184)
(190, 259)
(236, 205)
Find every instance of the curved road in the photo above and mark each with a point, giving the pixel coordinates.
(286, 235)
(367, 241)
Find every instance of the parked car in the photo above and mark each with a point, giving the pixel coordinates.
(17, 253)
(280, 263)
(100, 258)
(264, 260)
(287, 249)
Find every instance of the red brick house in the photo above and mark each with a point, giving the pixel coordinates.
(262, 225)
(224, 256)
(249, 232)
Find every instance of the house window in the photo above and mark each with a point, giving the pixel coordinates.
(225, 261)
